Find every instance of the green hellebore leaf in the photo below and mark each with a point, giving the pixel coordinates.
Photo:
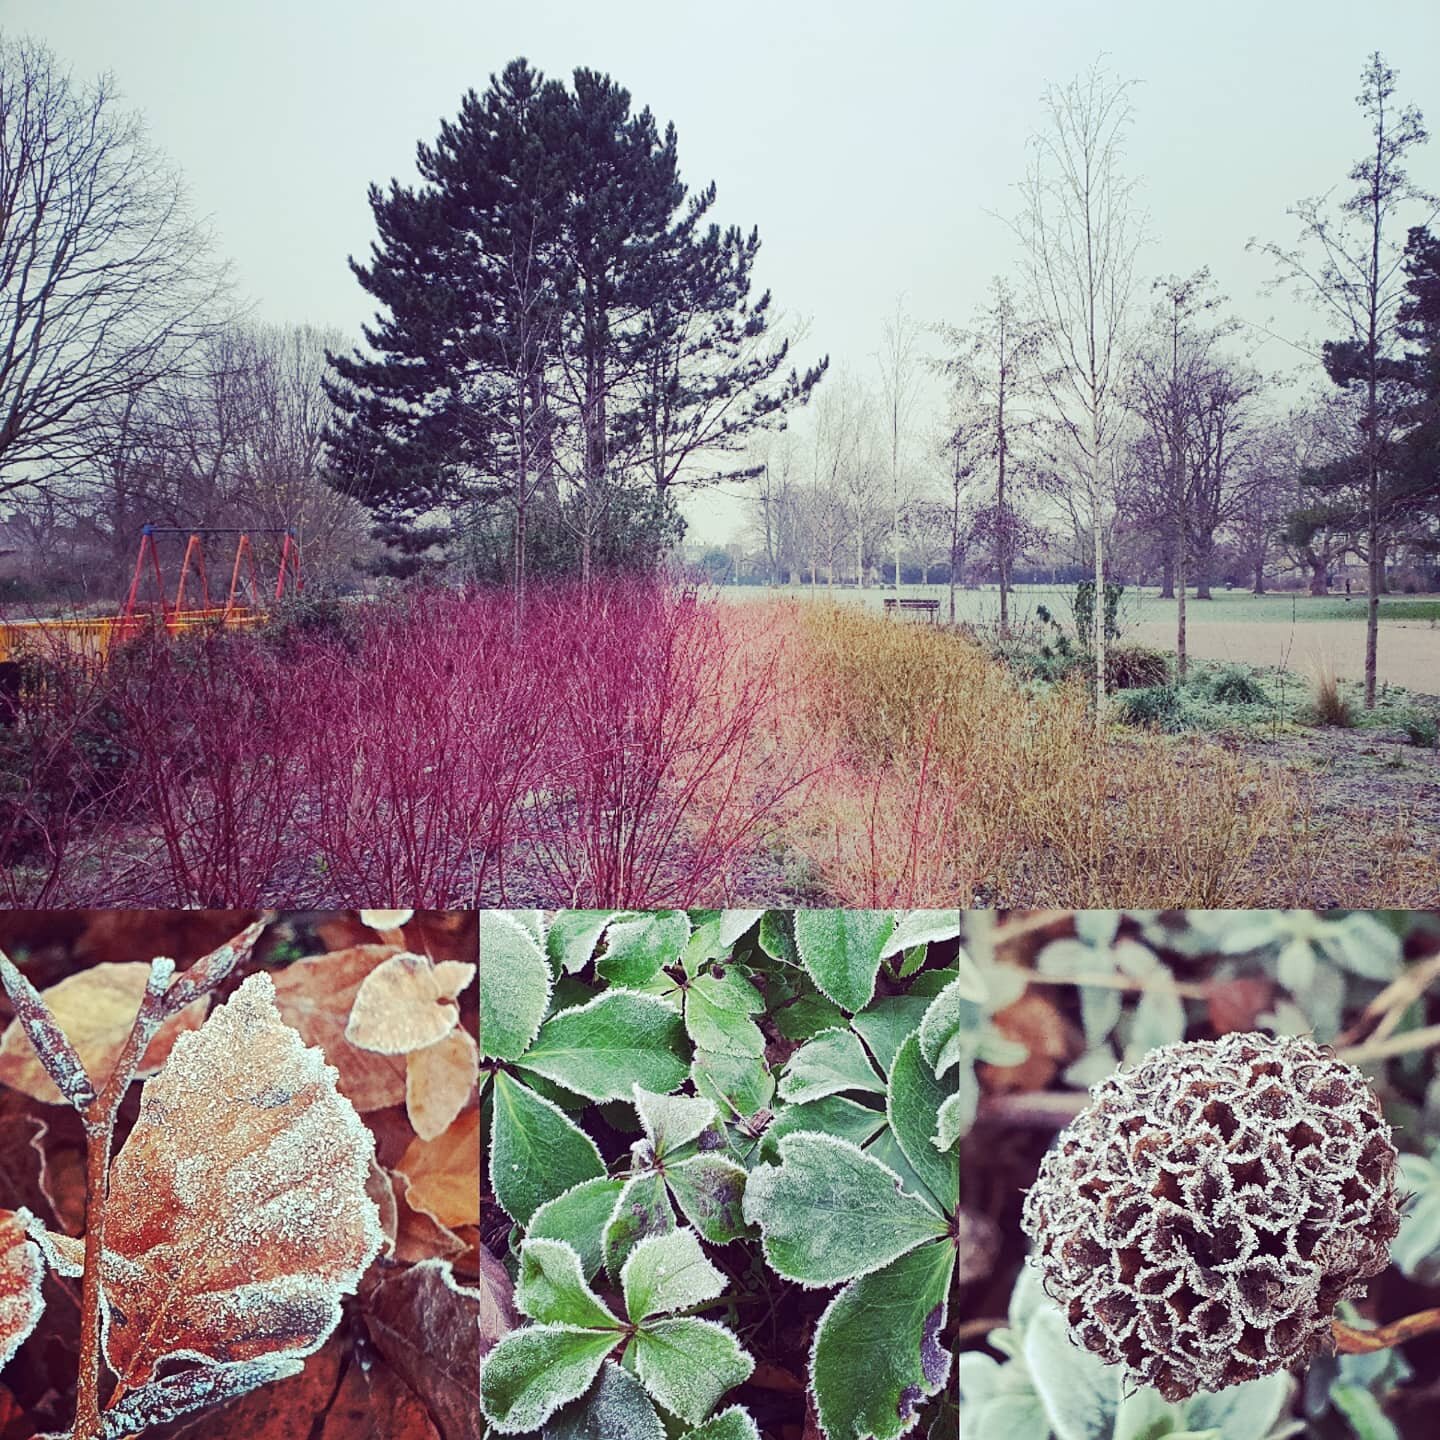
(637, 949)
(834, 1115)
(532, 1372)
(643, 1208)
(841, 949)
(886, 1023)
(514, 986)
(736, 1082)
(878, 1354)
(829, 1212)
(603, 1048)
(734, 924)
(717, 1014)
(921, 927)
(834, 1060)
(710, 1190)
(573, 936)
(732, 1424)
(664, 1273)
(552, 1288)
(616, 1406)
(913, 1105)
(580, 1216)
(777, 936)
(536, 1151)
(940, 1040)
(806, 1017)
(671, 1121)
(688, 1364)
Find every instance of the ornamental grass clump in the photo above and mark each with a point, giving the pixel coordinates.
(1200, 1220)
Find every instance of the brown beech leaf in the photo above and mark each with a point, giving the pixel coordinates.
(439, 1079)
(21, 1275)
(95, 1008)
(497, 1302)
(237, 1215)
(315, 995)
(424, 1322)
(284, 1410)
(419, 1236)
(374, 1403)
(406, 1003)
(442, 1176)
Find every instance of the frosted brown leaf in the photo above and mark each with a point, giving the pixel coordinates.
(425, 1323)
(315, 995)
(21, 1273)
(406, 1003)
(238, 1215)
(439, 1079)
(95, 1008)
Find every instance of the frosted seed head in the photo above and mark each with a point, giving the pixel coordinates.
(1200, 1220)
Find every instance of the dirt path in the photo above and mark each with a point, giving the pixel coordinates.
(1409, 650)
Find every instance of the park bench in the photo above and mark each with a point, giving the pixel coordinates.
(905, 602)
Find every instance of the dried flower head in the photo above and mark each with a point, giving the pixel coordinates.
(1199, 1221)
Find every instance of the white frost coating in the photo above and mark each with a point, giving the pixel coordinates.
(64, 1254)
(21, 1276)
(1201, 1219)
(245, 1174)
(670, 1121)
(669, 1272)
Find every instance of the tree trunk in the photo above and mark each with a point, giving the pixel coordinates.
(1181, 659)
(1097, 520)
(1167, 576)
(1259, 586)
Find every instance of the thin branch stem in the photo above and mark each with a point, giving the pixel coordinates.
(1352, 1341)
(1010, 931)
(1406, 1044)
(1186, 989)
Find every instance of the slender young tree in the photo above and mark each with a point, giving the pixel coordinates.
(994, 369)
(1350, 263)
(1166, 389)
(1081, 231)
(899, 362)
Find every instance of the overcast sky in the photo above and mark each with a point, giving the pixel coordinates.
(873, 144)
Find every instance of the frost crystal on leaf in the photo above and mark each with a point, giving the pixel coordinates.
(238, 1215)
(21, 1273)
(1201, 1219)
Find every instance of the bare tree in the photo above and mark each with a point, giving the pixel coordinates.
(899, 362)
(1168, 382)
(994, 369)
(106, 285)
(928, 525)
(1081, 233)
(1350, 263)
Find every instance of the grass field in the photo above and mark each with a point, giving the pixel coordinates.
(1138, 606)
(1294, 632)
